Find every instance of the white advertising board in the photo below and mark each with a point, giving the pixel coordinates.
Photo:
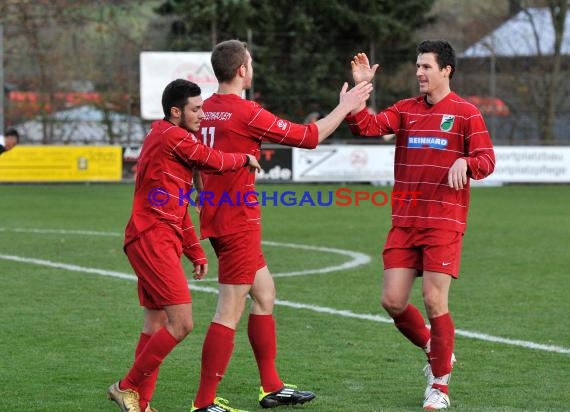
(160, 68)
(531, 164)
(344, 163)
(353, 163)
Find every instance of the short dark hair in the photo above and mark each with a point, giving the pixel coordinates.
(444, 53)
(227, 57)
(12, 132)
(176, 94)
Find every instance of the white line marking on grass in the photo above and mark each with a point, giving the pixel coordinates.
(295, 305)
(59, 231)
(357, 259)
(93, 271)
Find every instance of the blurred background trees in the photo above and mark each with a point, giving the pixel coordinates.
(302, 50)
(62, 53)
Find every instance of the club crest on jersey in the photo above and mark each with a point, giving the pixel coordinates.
(447, 122)
(282, 124)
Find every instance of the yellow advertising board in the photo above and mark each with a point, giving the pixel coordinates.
(61, 164)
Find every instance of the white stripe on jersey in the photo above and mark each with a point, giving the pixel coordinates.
(168, 214)
(176, 177)
(269, 128)
(430, 200)
(286, 134)
(484, 132)
(304, 137)
(429, 217)
(422, 165)
(255, 117)
(422, 183)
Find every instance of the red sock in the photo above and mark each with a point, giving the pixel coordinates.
(146, 388)
(261, 332)
(216, 354)
(412, 325)
(442, 336)
(158, 346)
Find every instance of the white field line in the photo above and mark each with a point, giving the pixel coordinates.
(295, 305)
(59, 232)
(356, 258)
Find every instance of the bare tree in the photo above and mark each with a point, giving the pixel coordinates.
(558, 10)
(538, 80)
(55, 46)
(524, 67)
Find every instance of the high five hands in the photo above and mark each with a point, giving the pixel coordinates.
(361, 70)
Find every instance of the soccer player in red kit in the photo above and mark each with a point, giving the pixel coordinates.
(160, 230)
(441, 143)
(232, 123)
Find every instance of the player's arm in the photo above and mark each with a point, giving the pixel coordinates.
(362, 72)
(360, 121)
(367, 124)
(274, 129)
(194, 153)
(192, 248)
(480, 161)
(199, 186)
(197, 180)
(348, 101)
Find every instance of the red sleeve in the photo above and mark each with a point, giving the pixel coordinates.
(274, 129)
(481, 157)
(188, 149)
(191, 246)
(366, 124)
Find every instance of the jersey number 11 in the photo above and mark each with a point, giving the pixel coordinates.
(208, 134)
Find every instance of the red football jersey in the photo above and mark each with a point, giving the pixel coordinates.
(232, 123)
(429, 138)
(164, 180)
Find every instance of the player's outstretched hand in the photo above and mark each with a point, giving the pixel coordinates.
(361, 70)
(457, 176)
(253, 163)
(200, 270)
(355, 98)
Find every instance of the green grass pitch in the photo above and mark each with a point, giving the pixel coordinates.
(67, 332)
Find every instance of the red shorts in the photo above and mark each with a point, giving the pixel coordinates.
(239, 257)
(424, 249)
(155, 258)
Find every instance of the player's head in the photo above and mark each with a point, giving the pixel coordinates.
(435, 65)
(444, 53)
(11, 138)
(230, 60)
(182, 104)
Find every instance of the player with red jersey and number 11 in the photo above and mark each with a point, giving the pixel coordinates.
(232, 123)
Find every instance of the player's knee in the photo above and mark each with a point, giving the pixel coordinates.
(183, 328)
(266, 300)
(434, 303)
(392, 305)
(227, 321)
